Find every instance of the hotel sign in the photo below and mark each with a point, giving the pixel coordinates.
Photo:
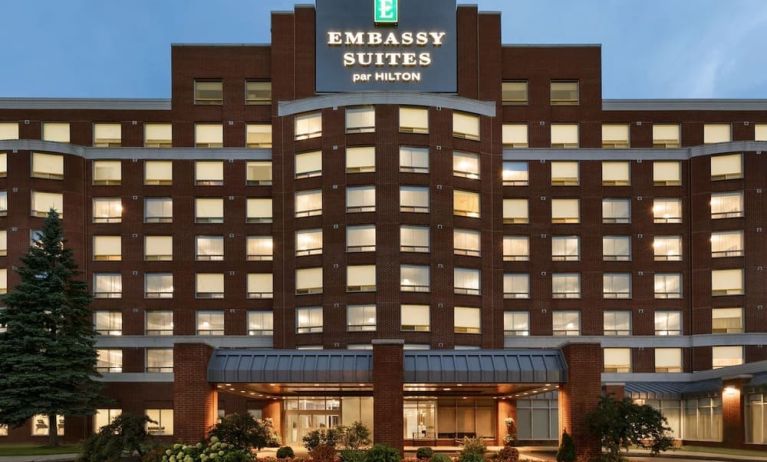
(386, 45)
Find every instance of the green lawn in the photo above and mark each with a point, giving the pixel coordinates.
(735, 452)
(37, 450)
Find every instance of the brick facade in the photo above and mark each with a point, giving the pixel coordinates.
(580, 395)
(388, 394)
(195, 400)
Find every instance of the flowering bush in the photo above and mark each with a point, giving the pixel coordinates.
(211, 451)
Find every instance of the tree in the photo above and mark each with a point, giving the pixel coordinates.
(620, 424)
(125, 435)
(242, 431)
(47, 352)
(566, 452)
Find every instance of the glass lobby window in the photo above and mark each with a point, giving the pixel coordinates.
(466, 204)
(360, 199)
(615, 136)
(159, 323)
(56, 131)
(466, 320)
(361, 159)
(466, 165)
(209, 248)
(308, 203)
(667, 248)
(107, 210)
(727, 320)
(361, 238)
(565, 248)
(414, 239)
(210, 323)
(516, 323)
(726, 205)
(49, 166)
(260, 285)
(361, 318)
(159, 360)
(466, 242)
(516, 248)
(617, 323)
(107, 285)
(309, 164)
(43, 202)
(158, 248)
(9, 131)
(208, 173)
(668, 285)
(413, 120)
(565, 211)
(104, 417)
(40, 427)
(414, 199)
(259, 173)
(566, 285)
(516, 285)
(617, 360)
(158, 135)
(208, 92)
(259, 248)
(161, 421)
(360, 120)
(107, 172)
(465, 126)
(158, 172)
(413, 160)
(717, 133)
(567, 323)
(208, 135)
(515, 211)
(308, 126)
(258, 92)
(414, 318)
(309, 320)
(107, 135)
(209, 285)
(3, 243)
(260, 323)
(756, 417)
(466, 281)
(414, 278)
(258, 136)
(726, 244)
(514, 136)
(208, 210)
(668, 323)
(107, 248)
(666, 136)
(666, 173)
(361, 278)
(725, 356)
(514, 93)
(158, 285)
(308, 281)
(258, 210)
(108, 322)
(616, 173)
(308, 242)
(666, 210)
(726, 167)
(564, 173)
(564, 93)
(616, 211)
(668, 360)
(515, 174)
(564, 136)
(727, 282)
(616, 285)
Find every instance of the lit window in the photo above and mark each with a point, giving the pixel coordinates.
(566, 323)
(726, 244)
(3, 165)
(726, 205)
(516, 248)
(668, 360)
(260, 323)
(564, 136)
(515, 211)
(158, 248)
(566, 285)
(514, 92)
(725, 356)
(259, 210)
(515, 174)
(516, 323)
(158, 172)
(414, 278)
(260, 248)
(3, 243)
(564, 173)
(414, 239)
(360, 120)
(3, 281)
(361, 159)
(361, 278)
(309, 320)
(717, 133)
(616, 173)
(50, 166)
(360, 199)
(209, 248)
(40, 425)
(309, 164)
(415, 318)
(208, 210)
(308, 203)
(104, 417)
(107, 285)
(158, 285)
(466, 281)
(465, 126)
(668, 285)
(466, 242)
(467, 320)
(413, 160)
(514, 136)
(666, 136)
(466, 204)
(565, 211)
(158, 210)
(158, 135)
(666, 173)
(616, 285)
(564, 93)
(3, 203)
(617, 360)
(361, 238)
(43, 202)
(258, 92)
(760, 132)
(308, 281)
(209, 285)
(107, 248)
(9, 131)
(107, 210)
(108, 322)
(258, 136)
(414, 199)
(161, 421)
(413, 120)
(667, 210)
(209, 135)
(208, 92)
(308, 242)
(210, 323)
(107, 135)
(107, 172)
(56, 131)
(667, 248)
(565, 248)
(727, 320)
(726, 282)
(726, 167)
(615, 136)
(159, 323)
(617, 323)
(208, 173)
(616, 211)
(466, 164)
(308, 126)
(668, 323)
(516, 285)
(259, 173)
(361, 318)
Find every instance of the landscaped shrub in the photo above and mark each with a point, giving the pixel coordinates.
(271, 435)
(424, 453)
(325, 437)
(566, 452)
(126, 435)
(440, 458)
(285, 452)
(473, 446)
(507, 454)
(214, 450)
(383, 453)
(241, 430)
(353, 455)
(323, 453)
(354, 436)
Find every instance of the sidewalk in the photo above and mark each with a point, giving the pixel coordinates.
(48, 458)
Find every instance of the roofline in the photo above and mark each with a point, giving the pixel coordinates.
(188, 44)
(692, 104)
(551, 45)
(140, 104)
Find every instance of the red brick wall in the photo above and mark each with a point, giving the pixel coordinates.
(195, 401)
(580, 395)
(388, 402)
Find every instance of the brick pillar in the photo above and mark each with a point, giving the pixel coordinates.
(618, 392)
(733, 419)
(195, 401)
(507, 408)
(388, 378)
(580, 395)
(273, 410)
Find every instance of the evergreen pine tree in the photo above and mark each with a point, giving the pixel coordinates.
(47, 351)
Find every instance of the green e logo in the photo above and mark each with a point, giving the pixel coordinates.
(386, 11)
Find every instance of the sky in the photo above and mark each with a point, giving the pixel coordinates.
(121, 48)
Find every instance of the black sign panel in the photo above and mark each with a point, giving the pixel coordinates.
(416, 53)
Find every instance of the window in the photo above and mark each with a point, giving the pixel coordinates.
(466, 320)
(158, 248)
(260, 285)
(466, 204)
(666, 136)
(361, 238)
(564, 173)
(414, 239)
(413, 160)
(414, 278)
(617, 323)
(40, 425)
(360, 199)
(258, 92)
(565, 248)
(666, 173)
(514, 136)
(3, 282)
(666, 210)
(43, 202)
(467, 281)
(516, 248)
(161, 422)
(259, 173)
(3, 243)
(668, 285)
(208, 173)
(615, 136)
(725, 356)
(107, 210)
(668, 360)
(260, 248)
(727, 320)
(107, 135)
(361, 159)
(260, 323)
(516, 323)
(258, 136)
(107, 285)
(308, 126)
(564, 136)
(726, 205)
(565, 211)
(158, 172)
(108, 322)
(667, 248)
(466, 242)
(210, 323)
(208, 210)
(208, 92)
(668, 323)
(361, 278)
(465, 126)
(415, 318)
(616, 285)
(726, 282)
(566, 285)
(209, 248)
(309, 164)
(158, 210)
(360, 120)
(158, 285)
(414, 199)
(56, 131)
(308, 242)
(308, 203)
(259, 210)
(616, 211)
(158, 135)
(756, 414)
(3, 203)
(413, 120)
(726, 167)
(726, 244)
(9, 131)
(516, 285)
(107, 172)
(564, 93)
(616, 173)
(515, 174)
(308, 281)
(361, 318)
(3, 165)
(617, 360)
(717, 133)
(50, 166)
(159, 323)
(107, 248)
(208, 135)
(104, 417)
(514, 93)
(209, 285)
(308, 320)
(515, 211)
(566, 323)
(466, 165)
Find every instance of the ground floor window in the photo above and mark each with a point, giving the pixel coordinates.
(538, 417)
(104, 417)
(40, 425)
(703, 419)
(3, 430)
(453, 418)
(672, 411)
(756, 418)
(304, 415)
(162, 424)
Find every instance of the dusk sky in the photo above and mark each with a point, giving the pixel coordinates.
(650, 48)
